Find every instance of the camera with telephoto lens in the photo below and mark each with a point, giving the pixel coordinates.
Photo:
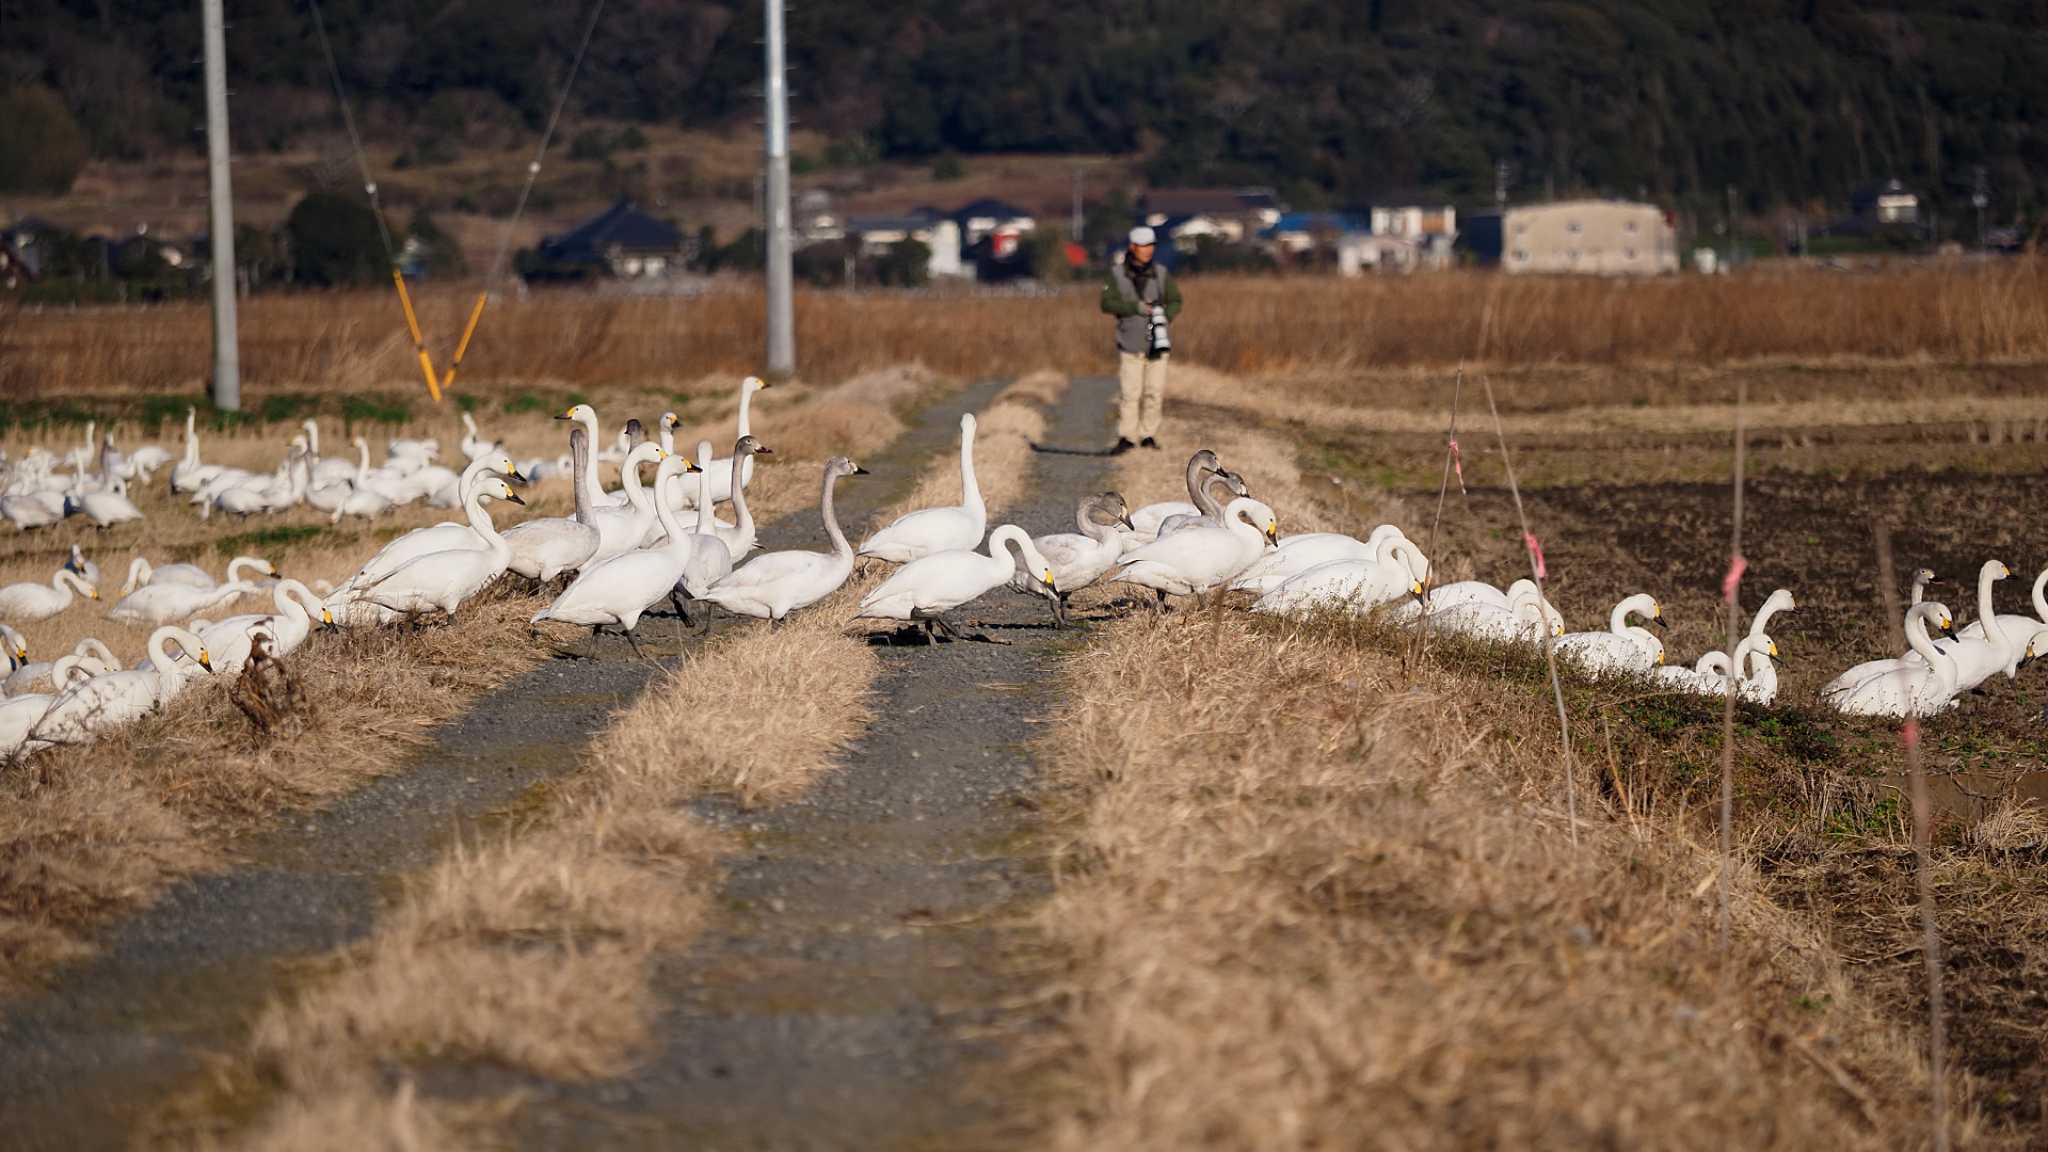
(1158, 343)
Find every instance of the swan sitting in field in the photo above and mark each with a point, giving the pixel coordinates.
(1081, 558)
(2017, 630)
(107, 507)
(1299, 553)
(1757, 653)
(547, 546)
(774, 584)
(117, 698)
(30, 601)
(229, 640)
(954, 528)
(190, 474)
(1897, 687)
(1522, 619)
(28, 510)
(141, 574)
(474, 446)
(441, 581)
(89, 656)
(435, 537)
(20, 714)
(162, 603)
(926, 588)
(1356, 585)
(1624, 647)
(1196, 559)
(615, 593)
(1992, 649)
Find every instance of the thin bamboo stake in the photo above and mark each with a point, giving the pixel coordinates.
(1923, 826)
(1535, 548)
(1731, 587)
(1443, 488)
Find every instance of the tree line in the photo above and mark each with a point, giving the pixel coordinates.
(1786, 102)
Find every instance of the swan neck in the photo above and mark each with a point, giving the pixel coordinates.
(665, 512)
(706, 523)
(480, 520)
(1987, 607)
(746, 410)
(579, 462)
(970, 492)
(1617, 620)
(1211, 506)
(743, 520)
(2041, 596)
(588, 422)
(839, 545)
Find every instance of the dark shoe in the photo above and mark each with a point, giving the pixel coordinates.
(1149, 442)
(1122, 446)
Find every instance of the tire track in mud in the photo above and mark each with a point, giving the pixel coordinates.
(84, 1061)
(859, 981)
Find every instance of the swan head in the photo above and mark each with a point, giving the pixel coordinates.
(506, 467)
(205, 661)
(748, 446)
(326, 617)
(499, 490)
(841, 466)
(967, 424)
(1205, 460)
(753, 384)
(669, 420)
(1234, 482)
(581, 413)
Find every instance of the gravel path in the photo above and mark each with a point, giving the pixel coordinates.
(861, 976)
(83, 1062)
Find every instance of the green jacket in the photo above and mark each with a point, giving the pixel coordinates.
(1131, 301)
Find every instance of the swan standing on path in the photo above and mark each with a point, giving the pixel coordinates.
(955, 528)
(30, 601)
(545, 547)
(622, 529)
(1624, 647)
(740, 538)
(441, 581)
(117, 698)
(615, 593)
(923, 590)
(1081, 558)
(710, 559)
(1196, 559)
(774, 584)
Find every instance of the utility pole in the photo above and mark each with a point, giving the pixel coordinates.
(781, 320)
(220, 203)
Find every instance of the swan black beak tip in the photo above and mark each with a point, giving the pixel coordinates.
(516, 498)
(1126, 522)
(764, 450)
(859, 471)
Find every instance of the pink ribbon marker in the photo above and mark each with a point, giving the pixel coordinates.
(1910, 734)
(1535, 553)
(1730, 582)
(1458, 465)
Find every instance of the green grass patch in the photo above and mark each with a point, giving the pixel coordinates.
(374, 410)
(268, 541)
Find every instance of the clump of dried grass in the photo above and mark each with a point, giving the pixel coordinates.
(1308, 898)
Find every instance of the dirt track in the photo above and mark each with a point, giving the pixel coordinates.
(84, 1062)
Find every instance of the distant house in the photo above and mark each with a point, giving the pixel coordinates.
(1298, 232)
(1001, 223)
(621, 241)
(21, 257)
(1576, 237)
(875, 235)
(816, 222)
(1236, 213)
(1885, 204)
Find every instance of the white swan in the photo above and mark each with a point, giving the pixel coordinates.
(954, 528)
(1196, 559)
(710, 559)
(89, 656)
(545, 547)
(2017, 629)
(474, 446)
(1756, 653)
(1993, 649)
(1624, 647)
(1356, 585)
(1081, 558)
(109, 506)
(30, 601)
(1299, 553)
(720, 472)
(585, 415)
(1898, 687)
(615, 593)
(155, 604)
(435, 537)
(229, 640)
(16, 644)
(441, 581)
(774, 584)
(32, 510)
(141, 574)
(84, 567)
(620, 530)
(924, 589)
(1522, 619)
(116, 698)
(190, 474)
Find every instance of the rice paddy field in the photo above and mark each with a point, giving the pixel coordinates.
(1291, 880)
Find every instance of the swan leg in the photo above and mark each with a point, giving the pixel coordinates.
(1059, 611)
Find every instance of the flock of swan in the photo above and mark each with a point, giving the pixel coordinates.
(626, 551)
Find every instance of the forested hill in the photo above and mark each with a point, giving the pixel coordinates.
(1787, 100)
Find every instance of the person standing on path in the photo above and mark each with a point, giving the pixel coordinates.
(1144, 300)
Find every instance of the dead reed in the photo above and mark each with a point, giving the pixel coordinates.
(353, 342)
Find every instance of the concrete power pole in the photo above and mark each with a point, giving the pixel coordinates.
(220, 203)
(781, 320)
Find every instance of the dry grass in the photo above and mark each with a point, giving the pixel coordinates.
(1308, 898)
(353, 342)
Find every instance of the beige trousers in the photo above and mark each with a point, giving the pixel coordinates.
(1142, 384)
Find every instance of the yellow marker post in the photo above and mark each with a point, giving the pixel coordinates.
(475, 314)
(412, 325)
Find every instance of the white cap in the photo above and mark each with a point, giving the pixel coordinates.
(1142, 236)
